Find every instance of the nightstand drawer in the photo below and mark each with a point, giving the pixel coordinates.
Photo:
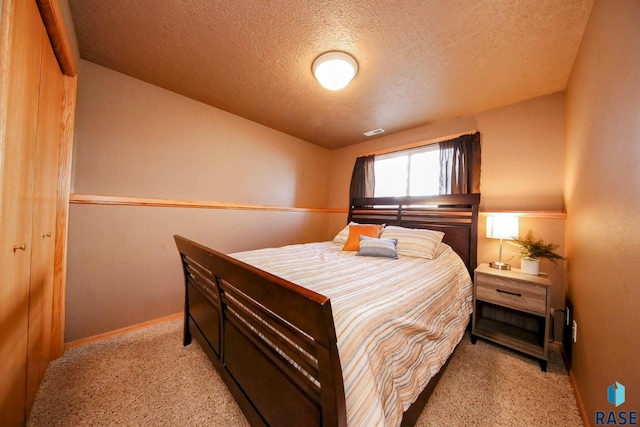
(512, 293)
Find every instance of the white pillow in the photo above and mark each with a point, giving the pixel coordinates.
(413, 242)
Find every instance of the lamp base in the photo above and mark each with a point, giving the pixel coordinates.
(500, 265)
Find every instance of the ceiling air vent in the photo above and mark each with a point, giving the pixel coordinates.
(374, 132)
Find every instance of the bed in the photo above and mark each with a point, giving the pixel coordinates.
(284, 341)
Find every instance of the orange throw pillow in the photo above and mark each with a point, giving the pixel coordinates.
(355, 231)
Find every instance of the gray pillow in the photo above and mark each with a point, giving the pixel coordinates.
(384, 248)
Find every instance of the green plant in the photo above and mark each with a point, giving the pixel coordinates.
(530, 248)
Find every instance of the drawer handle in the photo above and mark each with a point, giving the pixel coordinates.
(515, 294)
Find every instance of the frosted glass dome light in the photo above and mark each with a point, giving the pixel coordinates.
(334, 70)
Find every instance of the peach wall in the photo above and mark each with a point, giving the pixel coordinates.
(135, 139)
(522, 154)
(522, 170)
(343, 159)
(124, 267)
(602, 193)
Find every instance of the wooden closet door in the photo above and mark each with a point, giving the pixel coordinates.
(44, 219)
(20, 50)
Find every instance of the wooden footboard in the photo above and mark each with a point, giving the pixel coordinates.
(273, 342)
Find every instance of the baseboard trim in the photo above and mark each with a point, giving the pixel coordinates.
(100, 337)
(576, 392)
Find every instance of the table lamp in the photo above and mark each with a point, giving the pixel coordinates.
(501, 227)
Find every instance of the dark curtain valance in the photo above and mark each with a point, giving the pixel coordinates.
(460, 165)
(363, 178)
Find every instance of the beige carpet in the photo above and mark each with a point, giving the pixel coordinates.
(147, 378)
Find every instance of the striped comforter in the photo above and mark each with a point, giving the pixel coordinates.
(397, 320)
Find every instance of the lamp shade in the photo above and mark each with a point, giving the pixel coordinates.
(502, 226)
(334, 70)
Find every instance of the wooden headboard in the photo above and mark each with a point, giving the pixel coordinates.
(456, 215)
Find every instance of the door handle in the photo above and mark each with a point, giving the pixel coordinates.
(21, 247)
(46, 235)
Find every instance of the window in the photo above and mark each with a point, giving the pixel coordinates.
(414, 172)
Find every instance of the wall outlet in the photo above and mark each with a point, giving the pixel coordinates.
(567, 338)
(574, 331)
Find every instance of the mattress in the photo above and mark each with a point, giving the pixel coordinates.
(397, 321)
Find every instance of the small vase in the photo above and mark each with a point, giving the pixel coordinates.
(530, 266)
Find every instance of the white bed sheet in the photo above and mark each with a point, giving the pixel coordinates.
(397, 320)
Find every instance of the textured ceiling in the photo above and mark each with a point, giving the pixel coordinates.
(420, 61)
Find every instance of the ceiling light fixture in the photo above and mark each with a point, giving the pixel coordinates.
(334, 70)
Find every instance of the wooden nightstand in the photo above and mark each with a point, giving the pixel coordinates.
(511, 308)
